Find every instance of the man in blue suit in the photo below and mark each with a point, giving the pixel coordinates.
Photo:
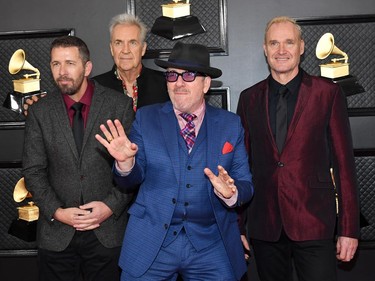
(184, 218)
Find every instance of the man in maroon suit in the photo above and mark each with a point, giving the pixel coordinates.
(292, 217)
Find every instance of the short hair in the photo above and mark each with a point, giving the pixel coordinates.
(128, 19)
(72, 41)
(283, 19)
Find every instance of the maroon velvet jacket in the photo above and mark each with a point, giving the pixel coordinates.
(294, 190)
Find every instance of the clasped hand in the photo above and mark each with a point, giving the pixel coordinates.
(86, 217)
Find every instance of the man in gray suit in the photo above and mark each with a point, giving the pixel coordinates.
(82, 213)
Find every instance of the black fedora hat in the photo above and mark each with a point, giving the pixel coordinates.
(193, 57)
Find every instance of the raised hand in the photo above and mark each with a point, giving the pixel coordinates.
(222, 183)
(118, 144)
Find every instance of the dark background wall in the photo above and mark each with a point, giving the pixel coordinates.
(243, 66)
(245, 63)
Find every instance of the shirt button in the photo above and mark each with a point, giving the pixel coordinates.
(174, 233)
(280, 164)
(186, 204)
(188, 185)
(189, 167)
(165, 226)
(174, 200)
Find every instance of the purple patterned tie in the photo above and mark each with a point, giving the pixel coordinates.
(188, 133)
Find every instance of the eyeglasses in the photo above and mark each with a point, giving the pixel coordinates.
(187, 76)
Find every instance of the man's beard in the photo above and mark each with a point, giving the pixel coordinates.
(70, 89)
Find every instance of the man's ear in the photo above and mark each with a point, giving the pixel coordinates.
(144, 48)
(88, 68)
(207, 84)
(302, 47)
(110, 47)
(265, 49)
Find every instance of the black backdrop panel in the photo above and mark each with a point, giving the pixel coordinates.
(366, 181)
(36, 45)
(211, 14)
(218, 97)
(10, 243)
(355, 35)
(11, 144)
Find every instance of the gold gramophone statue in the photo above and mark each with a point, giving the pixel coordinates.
(25, 87)
(25, 226)
(176, 10)
(338, 68)
(176, 21)
(28, 84)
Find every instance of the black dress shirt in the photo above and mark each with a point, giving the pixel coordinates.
(293, 87)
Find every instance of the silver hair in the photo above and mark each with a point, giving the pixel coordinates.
(128, 19)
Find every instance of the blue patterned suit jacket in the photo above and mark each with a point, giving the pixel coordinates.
(157, 168)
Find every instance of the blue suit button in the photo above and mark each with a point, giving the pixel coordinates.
(174, 200)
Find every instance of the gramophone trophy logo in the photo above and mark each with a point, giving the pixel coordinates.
(29, 212)
(176, 10)
(176, 22)
(25, 226)
(338, 68)
(25, 87)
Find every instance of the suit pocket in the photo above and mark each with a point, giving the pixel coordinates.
(137, 210)
(226, 160)
(321, 181)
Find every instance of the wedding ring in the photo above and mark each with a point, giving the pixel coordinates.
(110, 139)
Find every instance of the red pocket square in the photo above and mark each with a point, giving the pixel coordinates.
(227, 148)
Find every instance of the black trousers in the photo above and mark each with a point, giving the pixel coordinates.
(84, 259)
(313, 260)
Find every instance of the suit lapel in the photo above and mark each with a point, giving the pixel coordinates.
(95, 110)
(213, 139)
(59, 112)
(261, 108)
(302, 100)
(168, 121)
(265, 111)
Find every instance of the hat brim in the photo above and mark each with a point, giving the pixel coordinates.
(210, 71)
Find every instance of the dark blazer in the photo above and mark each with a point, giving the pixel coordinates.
(152, 87)
(158, 168)
(294, 190)
(56, 175)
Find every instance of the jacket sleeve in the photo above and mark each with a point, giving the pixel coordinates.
(344, 167)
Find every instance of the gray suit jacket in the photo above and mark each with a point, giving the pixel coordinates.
(56, 175)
